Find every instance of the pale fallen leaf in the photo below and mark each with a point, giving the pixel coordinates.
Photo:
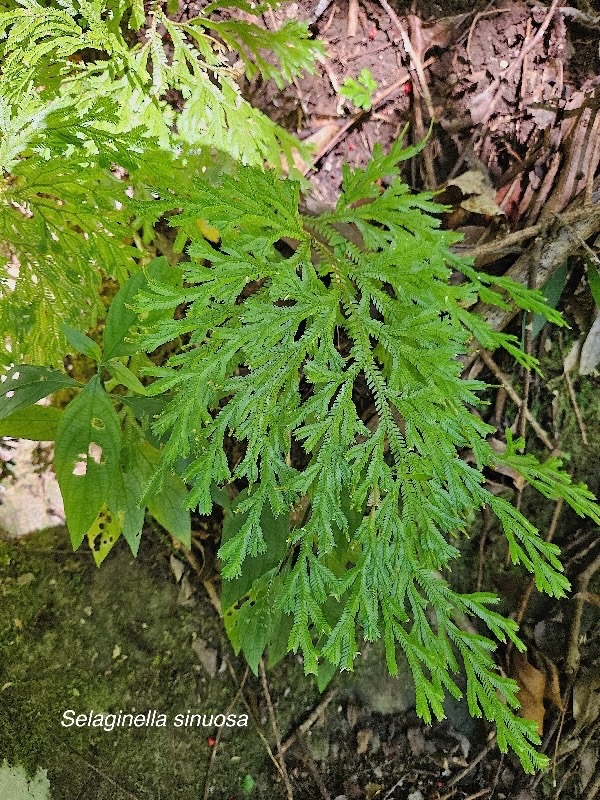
(571, 360)
(590, 350)
(480, 197)
(532, 683)
(363, 738)
(177, 568)
(587, 766)
(207, 656)
(185, 597)
(319, 140)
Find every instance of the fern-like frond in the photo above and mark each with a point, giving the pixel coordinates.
(291, 348)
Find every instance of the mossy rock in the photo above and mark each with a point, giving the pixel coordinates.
(116, 638)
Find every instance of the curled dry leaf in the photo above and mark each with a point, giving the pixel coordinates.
(177, 568)
(499, 447)
(480, 197)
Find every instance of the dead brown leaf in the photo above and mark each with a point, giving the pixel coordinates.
(552, 689)
(479, 194)
(532, 684)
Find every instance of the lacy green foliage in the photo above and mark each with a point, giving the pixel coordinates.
(289, 352)
(187, 57)
(104, 454)
(61, 228)
(97, 103)
(360, 90)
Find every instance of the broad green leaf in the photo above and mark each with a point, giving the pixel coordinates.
(103, 534)
(552, 291)
(168, 508)
(25, 385)
(39, 423)
(126, 378)
(230, 623)
(120, 318)
(86, 457)
(275, 530)
(594, 281)
(254, 629)
(146, 409)
(325, 674)
(81, 342)
(123, 500)
(281, 625)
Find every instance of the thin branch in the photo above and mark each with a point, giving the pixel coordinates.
(273, 718)
(514, 396)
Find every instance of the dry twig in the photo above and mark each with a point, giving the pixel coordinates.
(417, 62)
(572, 660)
(562, 240)
(576, 409)
(309, 722)
(352, 19)
(213, 755)
(378, 100)
(275, 727)
(463, 773)
(514, 396)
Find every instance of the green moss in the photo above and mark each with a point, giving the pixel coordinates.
(75, 637)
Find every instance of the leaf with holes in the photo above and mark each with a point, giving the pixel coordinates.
(88, 442)
(123, 499)
(25, 385)
(103, 534)
(254, 629)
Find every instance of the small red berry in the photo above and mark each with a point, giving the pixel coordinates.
(211, 741)
(407, 88)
